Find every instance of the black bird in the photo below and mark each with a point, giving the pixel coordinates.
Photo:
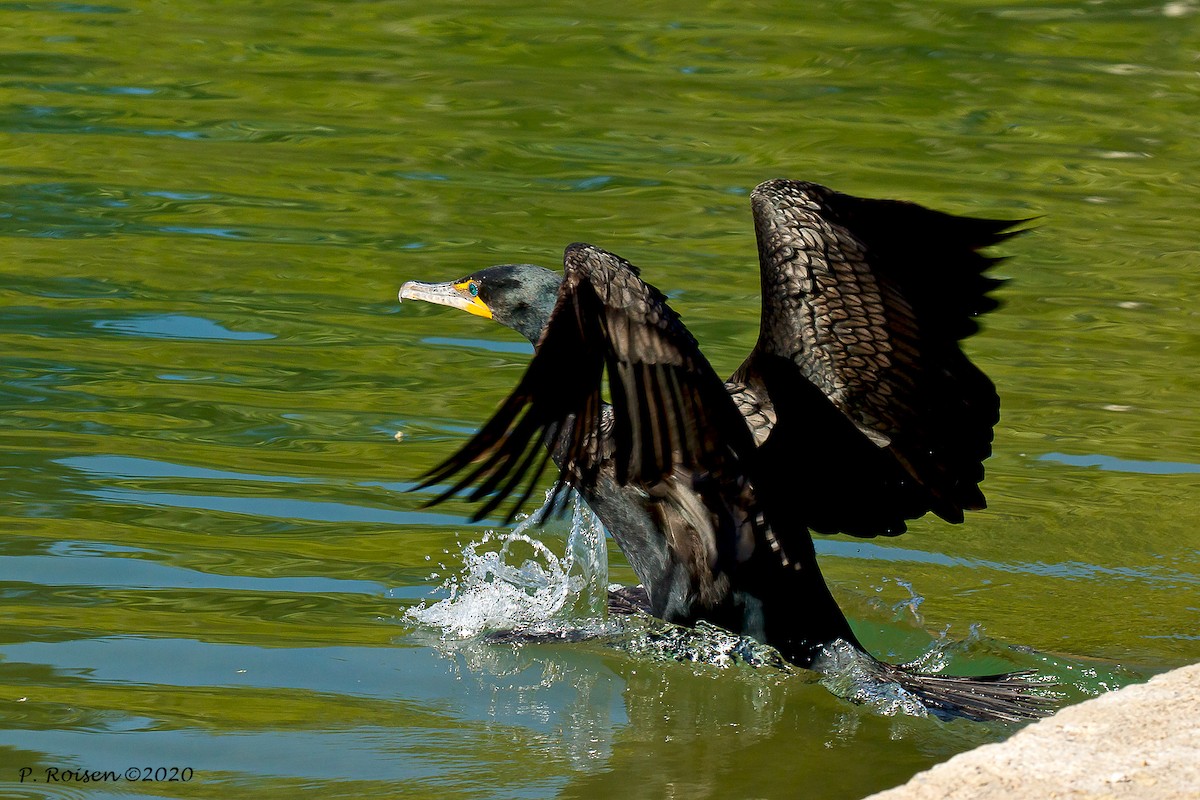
(855, 411)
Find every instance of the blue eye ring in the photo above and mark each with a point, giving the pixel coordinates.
(473, 288)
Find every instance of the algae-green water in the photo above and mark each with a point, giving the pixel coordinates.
(206, 546)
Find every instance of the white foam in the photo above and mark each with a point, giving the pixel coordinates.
(499, 588)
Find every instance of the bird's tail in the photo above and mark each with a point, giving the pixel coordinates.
(1009, 696)
(852, 673)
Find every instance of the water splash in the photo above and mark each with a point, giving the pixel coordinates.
(704, 643)
(512, 580)
(587, 560)
(852, 674)
(911, 605)
(908, 608)
(514, 589)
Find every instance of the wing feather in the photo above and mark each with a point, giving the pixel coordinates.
(867, 300)
(669, 408)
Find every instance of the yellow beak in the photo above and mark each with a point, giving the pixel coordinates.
(455, 295)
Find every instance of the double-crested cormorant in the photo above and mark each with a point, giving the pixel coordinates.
(855, 411)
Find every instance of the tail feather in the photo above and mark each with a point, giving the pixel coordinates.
(626, 600)
(1009, 696)
(853, 673)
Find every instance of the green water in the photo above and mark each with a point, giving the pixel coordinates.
(207, 208)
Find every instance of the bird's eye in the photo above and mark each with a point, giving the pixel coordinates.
(473, 288)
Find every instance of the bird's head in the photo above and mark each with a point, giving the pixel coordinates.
(520, 296)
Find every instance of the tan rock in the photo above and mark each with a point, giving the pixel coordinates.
(1140, 742)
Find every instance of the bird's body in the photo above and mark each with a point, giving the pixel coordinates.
(855, 411)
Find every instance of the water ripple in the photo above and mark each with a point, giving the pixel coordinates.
(1113, 464)
(50, 571)
(177, 326)
(278, 508)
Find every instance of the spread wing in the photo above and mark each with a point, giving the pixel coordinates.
(670, 410)
(864, 305)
